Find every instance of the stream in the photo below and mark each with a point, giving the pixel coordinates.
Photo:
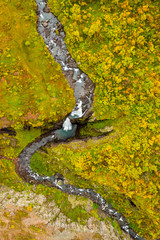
(53, 34)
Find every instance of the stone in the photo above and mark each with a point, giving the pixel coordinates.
(45, 24)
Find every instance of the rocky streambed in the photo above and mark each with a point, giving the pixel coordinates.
(26, 215)
(53, 34)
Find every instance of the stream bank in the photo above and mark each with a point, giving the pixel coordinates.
(26, 215)
(52, 31)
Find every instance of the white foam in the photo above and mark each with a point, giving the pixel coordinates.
(76, 70)
(77, 112)
(81, 189)
(110, 211)
(52, 42)
(121, 219)
(41, 16)
(137, 236)
(82, 76)
(65, 68)
(67, 125)
(63, 63)
(126, 228)
(80, 80)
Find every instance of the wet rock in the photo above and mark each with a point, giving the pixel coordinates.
(47, 32)
(84, 101)
(45, 24)
(46, 9)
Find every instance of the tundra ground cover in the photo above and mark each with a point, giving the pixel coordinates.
(32, 84)
(117, 45)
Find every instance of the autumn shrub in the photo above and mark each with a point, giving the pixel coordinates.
(117, 45)
(32, 84)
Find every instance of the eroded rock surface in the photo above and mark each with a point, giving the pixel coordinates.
(26, 214)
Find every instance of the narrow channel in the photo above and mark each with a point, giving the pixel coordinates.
(53, 34)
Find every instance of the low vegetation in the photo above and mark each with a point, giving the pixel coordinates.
(117, 45)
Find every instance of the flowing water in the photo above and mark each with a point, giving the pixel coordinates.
(53, 34)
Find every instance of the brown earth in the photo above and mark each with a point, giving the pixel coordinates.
(25, 215)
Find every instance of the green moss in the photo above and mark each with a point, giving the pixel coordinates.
(116, 226)
(77, 213)
(30, 76)
(94, 213)
(117, 46)
(95, 206)
(40, 164)
(92, 129)
(26, 136)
